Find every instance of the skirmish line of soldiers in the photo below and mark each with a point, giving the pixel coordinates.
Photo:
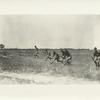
(66, 57)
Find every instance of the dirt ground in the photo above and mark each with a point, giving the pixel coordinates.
(18, 66)
(43, 78)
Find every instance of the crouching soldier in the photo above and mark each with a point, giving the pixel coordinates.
(67, 57)
(56, 57)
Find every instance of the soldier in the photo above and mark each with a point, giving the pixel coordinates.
(63, 53)
(96, 57)
(66, 55)
(56, 57)
(96, 52)
(36, 51)
(36, 48)
(48, 55)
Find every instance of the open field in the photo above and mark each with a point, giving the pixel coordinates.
(19, 66)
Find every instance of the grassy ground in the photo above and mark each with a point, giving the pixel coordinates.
(23, 61)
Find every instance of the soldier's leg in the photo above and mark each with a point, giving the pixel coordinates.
(96, 61)
(47, 57)
(36, 55)
(59, 60)
(53, 60)
(69, 60)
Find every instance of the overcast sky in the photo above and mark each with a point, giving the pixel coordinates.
(50, 31)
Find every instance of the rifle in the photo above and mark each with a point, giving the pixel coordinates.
(92, 58)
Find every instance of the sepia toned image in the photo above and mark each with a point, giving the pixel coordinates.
(49, 49)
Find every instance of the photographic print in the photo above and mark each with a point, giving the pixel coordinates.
(49, 49)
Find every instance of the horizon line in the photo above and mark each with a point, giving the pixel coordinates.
(49, 48)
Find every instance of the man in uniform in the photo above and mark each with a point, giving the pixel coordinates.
(96, 57)
(66, 56)
(36, 51)
(96, 53)
(56, 57)
(48, 55)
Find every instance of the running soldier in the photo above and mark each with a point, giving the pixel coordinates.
(36, 51)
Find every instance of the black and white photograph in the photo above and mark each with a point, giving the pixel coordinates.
(49, 49)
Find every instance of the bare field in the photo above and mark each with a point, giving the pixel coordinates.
(19, 66)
